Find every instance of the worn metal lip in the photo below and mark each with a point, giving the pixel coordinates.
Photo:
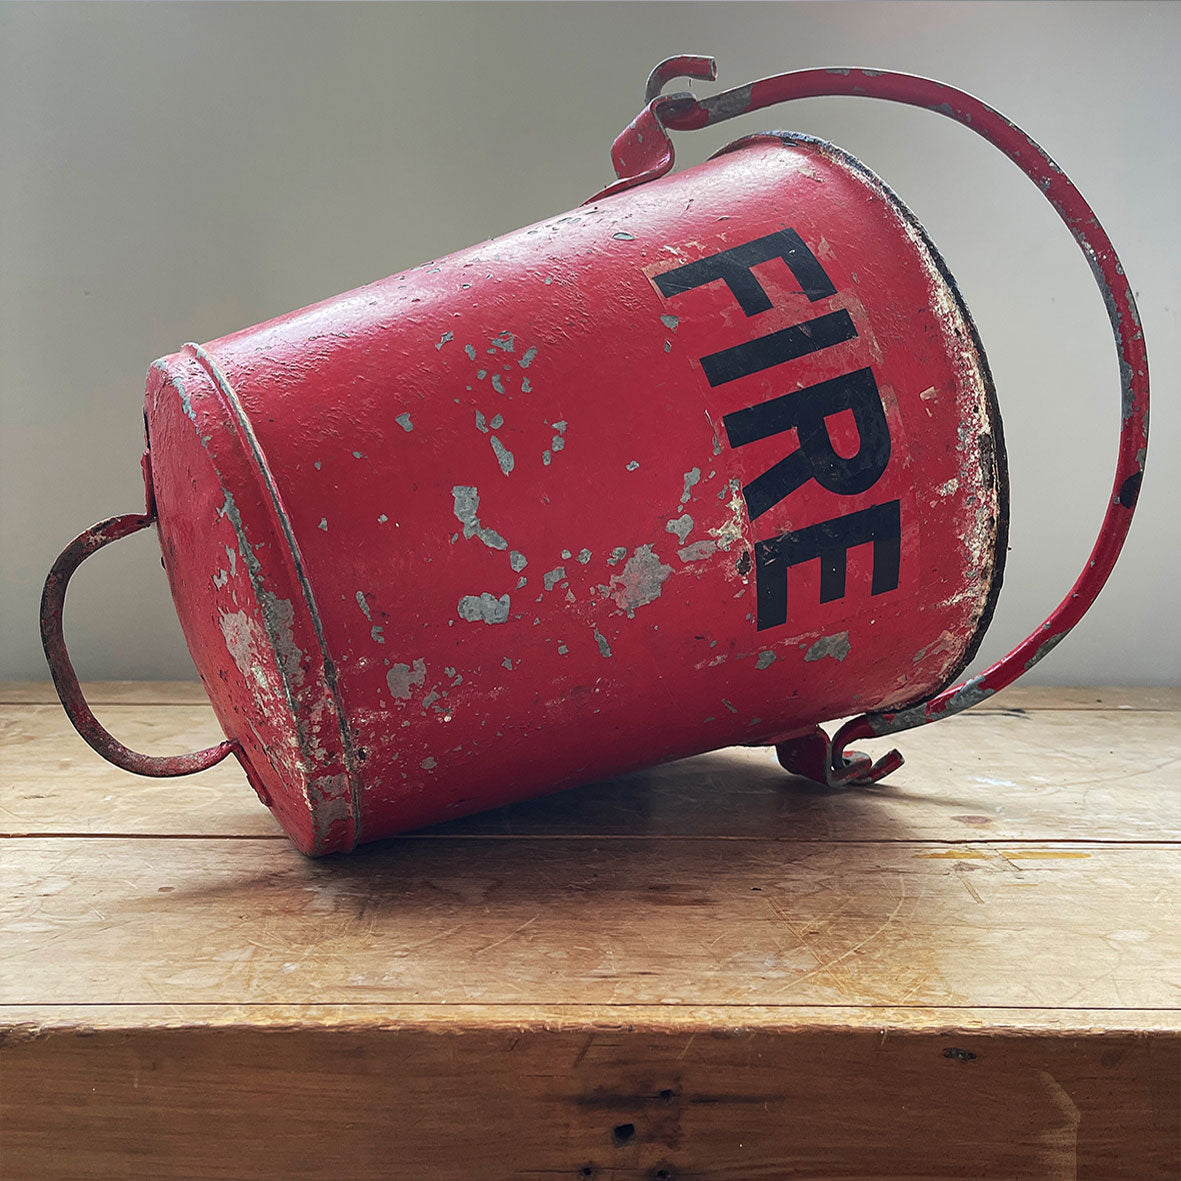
(280, 517)
(284, 579)
(999, 475)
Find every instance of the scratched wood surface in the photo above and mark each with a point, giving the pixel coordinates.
(704, 970)
(1016, 771)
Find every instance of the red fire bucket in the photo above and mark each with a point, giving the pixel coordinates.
(709, 460)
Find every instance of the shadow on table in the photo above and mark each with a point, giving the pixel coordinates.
(717, 878)
(737, 793)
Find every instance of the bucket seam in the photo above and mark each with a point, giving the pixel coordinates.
(243, 421)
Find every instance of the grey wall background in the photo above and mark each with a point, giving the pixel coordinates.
(173, 172)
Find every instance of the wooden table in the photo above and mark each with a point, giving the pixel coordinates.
(707, 970)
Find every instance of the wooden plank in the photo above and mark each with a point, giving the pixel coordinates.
(738, 1102)
(1124, 697)
(25, 1021)
(54, 782)
(675, 922)
(1036, 776)
(1022, 696)
(707, 969)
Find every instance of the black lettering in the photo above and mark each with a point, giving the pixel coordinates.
(787, 344)
(830, 541)
(733, 267)
(805, 412)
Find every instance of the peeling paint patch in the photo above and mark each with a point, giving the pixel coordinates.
(484, 608)
(836, 646)
(604, 647)
(237, 630)
(682, 526)
(507, 662)
(428, 764)
(363, 603)
(375, 634)
(467, 504)
(731, 531)
(697, 551)
(670, 322)
(617, 555)
(444, 339)
(506, 342)
(552, 577)
(497, 422)
(642, 580)
(517, 561)
(691, 477)
(526, 386)
(527, 359)
(584, 556)
(497, 383)
(504, 456)
(403, 420)
(402, 678)
(631, 467)
(481, 423)
(330, 798)
(323, 524)
(765, 660)
(623, 236)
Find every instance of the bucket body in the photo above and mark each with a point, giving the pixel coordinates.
(705, 462)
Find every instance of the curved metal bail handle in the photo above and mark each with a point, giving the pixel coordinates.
(65, 680)
(676, 113)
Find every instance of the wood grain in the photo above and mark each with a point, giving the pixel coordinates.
(1039, 775)
(615, 1102)
(707, 970)
(652, 921)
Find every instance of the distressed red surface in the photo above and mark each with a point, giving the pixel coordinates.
(644, 151)
(390, 703)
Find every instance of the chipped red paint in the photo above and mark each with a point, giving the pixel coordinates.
(644, 151)
(708, 460)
